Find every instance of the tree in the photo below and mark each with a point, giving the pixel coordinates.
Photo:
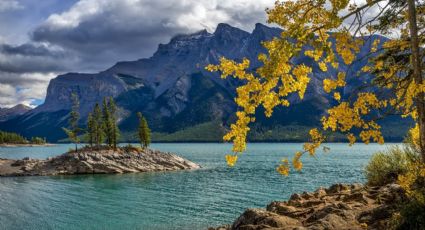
(74, 117)
(98, 127)
(115, 132)
(107, 123)
(144, 132)
(328, 32)
(90, 131)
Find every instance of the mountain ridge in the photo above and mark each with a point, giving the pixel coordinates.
(174, 91)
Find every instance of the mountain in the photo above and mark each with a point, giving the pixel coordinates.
(9, 113)
(178, 97)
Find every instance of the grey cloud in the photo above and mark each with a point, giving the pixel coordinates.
(29, 50)
(128, 30)
(30, 58)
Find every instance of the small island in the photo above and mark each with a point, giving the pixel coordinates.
(101, 155)
(10, 139)
(88, 160)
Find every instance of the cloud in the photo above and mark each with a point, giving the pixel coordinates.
(30, 58)
(131, 29)
(92, 35)
(9, 5)
(23, 88)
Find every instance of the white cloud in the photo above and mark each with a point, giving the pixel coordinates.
(9, 5)
(23, 88)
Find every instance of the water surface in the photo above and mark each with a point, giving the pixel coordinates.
(213, 195)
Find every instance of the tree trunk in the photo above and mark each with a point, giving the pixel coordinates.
(417, 73)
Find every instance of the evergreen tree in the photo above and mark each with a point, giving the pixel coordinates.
(98, 128)
(12, 138)
(107, 123)
(144, 132)
(74, 116)
(115, 132)
(90, 130)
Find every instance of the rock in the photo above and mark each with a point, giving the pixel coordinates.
(321, 192)
(259, 219)
(338, 188)
(89, 161)
(338, 207)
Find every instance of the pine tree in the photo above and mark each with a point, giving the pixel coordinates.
(144, 132)
(115, 132)
(98, 128)
(74, 117)
(90, 129)
(107, 123)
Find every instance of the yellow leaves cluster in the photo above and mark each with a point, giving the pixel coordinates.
(347, 46)
(351, 138)
(301, 73)
(296, 162)
(316, 139)
(323, 67)
(374, 134)
(414, 135)
(375, 45)
(337, 96)
(283, 168)
(344, 117)
(231, 160)
(316, 54)
(408, 181)
(329, 84)
(238, 132)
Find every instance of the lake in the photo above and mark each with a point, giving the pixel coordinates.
(211, 196)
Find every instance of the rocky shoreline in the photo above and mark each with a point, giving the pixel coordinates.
(340, 206)
(88, 161)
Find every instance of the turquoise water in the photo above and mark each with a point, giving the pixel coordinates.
(197, 199)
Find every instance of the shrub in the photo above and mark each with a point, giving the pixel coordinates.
(385, 167)
(404, 166)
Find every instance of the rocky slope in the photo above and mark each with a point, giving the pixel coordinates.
(123, 160)
(338, 207)
(173, 90)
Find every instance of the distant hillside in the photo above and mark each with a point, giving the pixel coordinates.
(182, 101)
(9, 113)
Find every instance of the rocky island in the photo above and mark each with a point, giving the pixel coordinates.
(91, 161)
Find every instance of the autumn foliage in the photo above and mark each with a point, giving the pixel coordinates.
(335, 31)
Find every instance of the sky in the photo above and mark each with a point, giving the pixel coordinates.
(40, 39)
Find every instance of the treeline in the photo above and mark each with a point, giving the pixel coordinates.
(102, 125)
(14, 138)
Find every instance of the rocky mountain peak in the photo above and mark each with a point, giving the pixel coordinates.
(8, 113)
(226, 30)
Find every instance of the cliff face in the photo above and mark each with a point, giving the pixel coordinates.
(172, 88)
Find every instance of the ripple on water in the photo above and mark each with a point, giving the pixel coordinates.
(195, 199)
